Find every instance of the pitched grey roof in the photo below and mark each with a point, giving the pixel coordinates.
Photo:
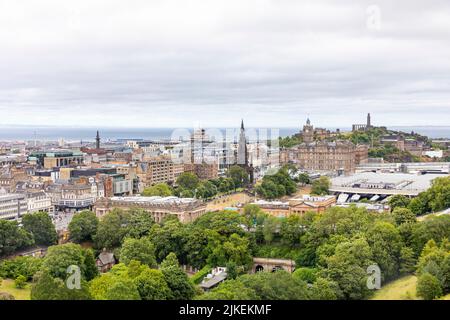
(106, 257)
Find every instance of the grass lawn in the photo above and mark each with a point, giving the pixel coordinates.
(400, 289)
(20, 294)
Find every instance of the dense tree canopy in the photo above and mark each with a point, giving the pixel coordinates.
(277, 185)
(112, 229)
(177, 280)
(332, 251)
(25, 266)
(238, 175)
(47, 287)
(321, 186)
(40, 225)
(60, 257)
(435, 199)
(398, 201)
(141, 250)
(13, 238)
(83, 226)
(160, 189)
(188, 181)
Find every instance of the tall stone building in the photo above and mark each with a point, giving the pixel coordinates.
(97, 140)
(363, 127)
(158, 170)
(310, 134)
(242, 154)
(326, 156)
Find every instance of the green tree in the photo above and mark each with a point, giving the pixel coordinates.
(230, 290)
(308, 275)
(180, 286)
(139, 223)
(122, 289)
(225, 223)
(206, 190)
(321, 186)
(445, 269)
(232, 270)
(403, 215)
(268, 190)
(83, 226)
(279, 285)
(170, 237)
(196, 241)
(434, 228)
(99, 286)
(26, 266)
(420, 204)
(292, 229)
(90, 267)
(432, 260)
(234, 249)
(226, 185)
(20, 282)
(238, 175)
(251, 212)
(46, 287)
(141, 250)
(112, 229)
(324, 289)
(151, 285)
(386, 244)
(347, 267)
(398, 201)
(160, 189)
(188, 181)
(60, 257)
(407, 261)
(116, 284)
(303, 178)
(40, 225)
(428, 287)
(271, 225)
(439, 194)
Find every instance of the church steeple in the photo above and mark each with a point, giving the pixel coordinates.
(242, 147)
(97, 140)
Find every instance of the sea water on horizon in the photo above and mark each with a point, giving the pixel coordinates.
(88, 134)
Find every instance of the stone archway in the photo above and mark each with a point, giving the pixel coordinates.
(259, 268)
(272, 265)
(276, 268)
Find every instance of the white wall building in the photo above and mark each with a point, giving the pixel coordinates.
(39, 201)
(12, 206)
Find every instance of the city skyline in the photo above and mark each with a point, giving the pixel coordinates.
(273, 63)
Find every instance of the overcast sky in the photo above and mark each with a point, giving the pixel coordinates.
(164, 63)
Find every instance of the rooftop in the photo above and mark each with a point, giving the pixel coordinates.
(383, 183)
(155, 200)
(11, 196)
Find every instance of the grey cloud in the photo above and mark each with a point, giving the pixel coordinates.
(173, 63)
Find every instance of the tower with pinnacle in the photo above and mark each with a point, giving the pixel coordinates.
(242, 153)
(97, 140)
